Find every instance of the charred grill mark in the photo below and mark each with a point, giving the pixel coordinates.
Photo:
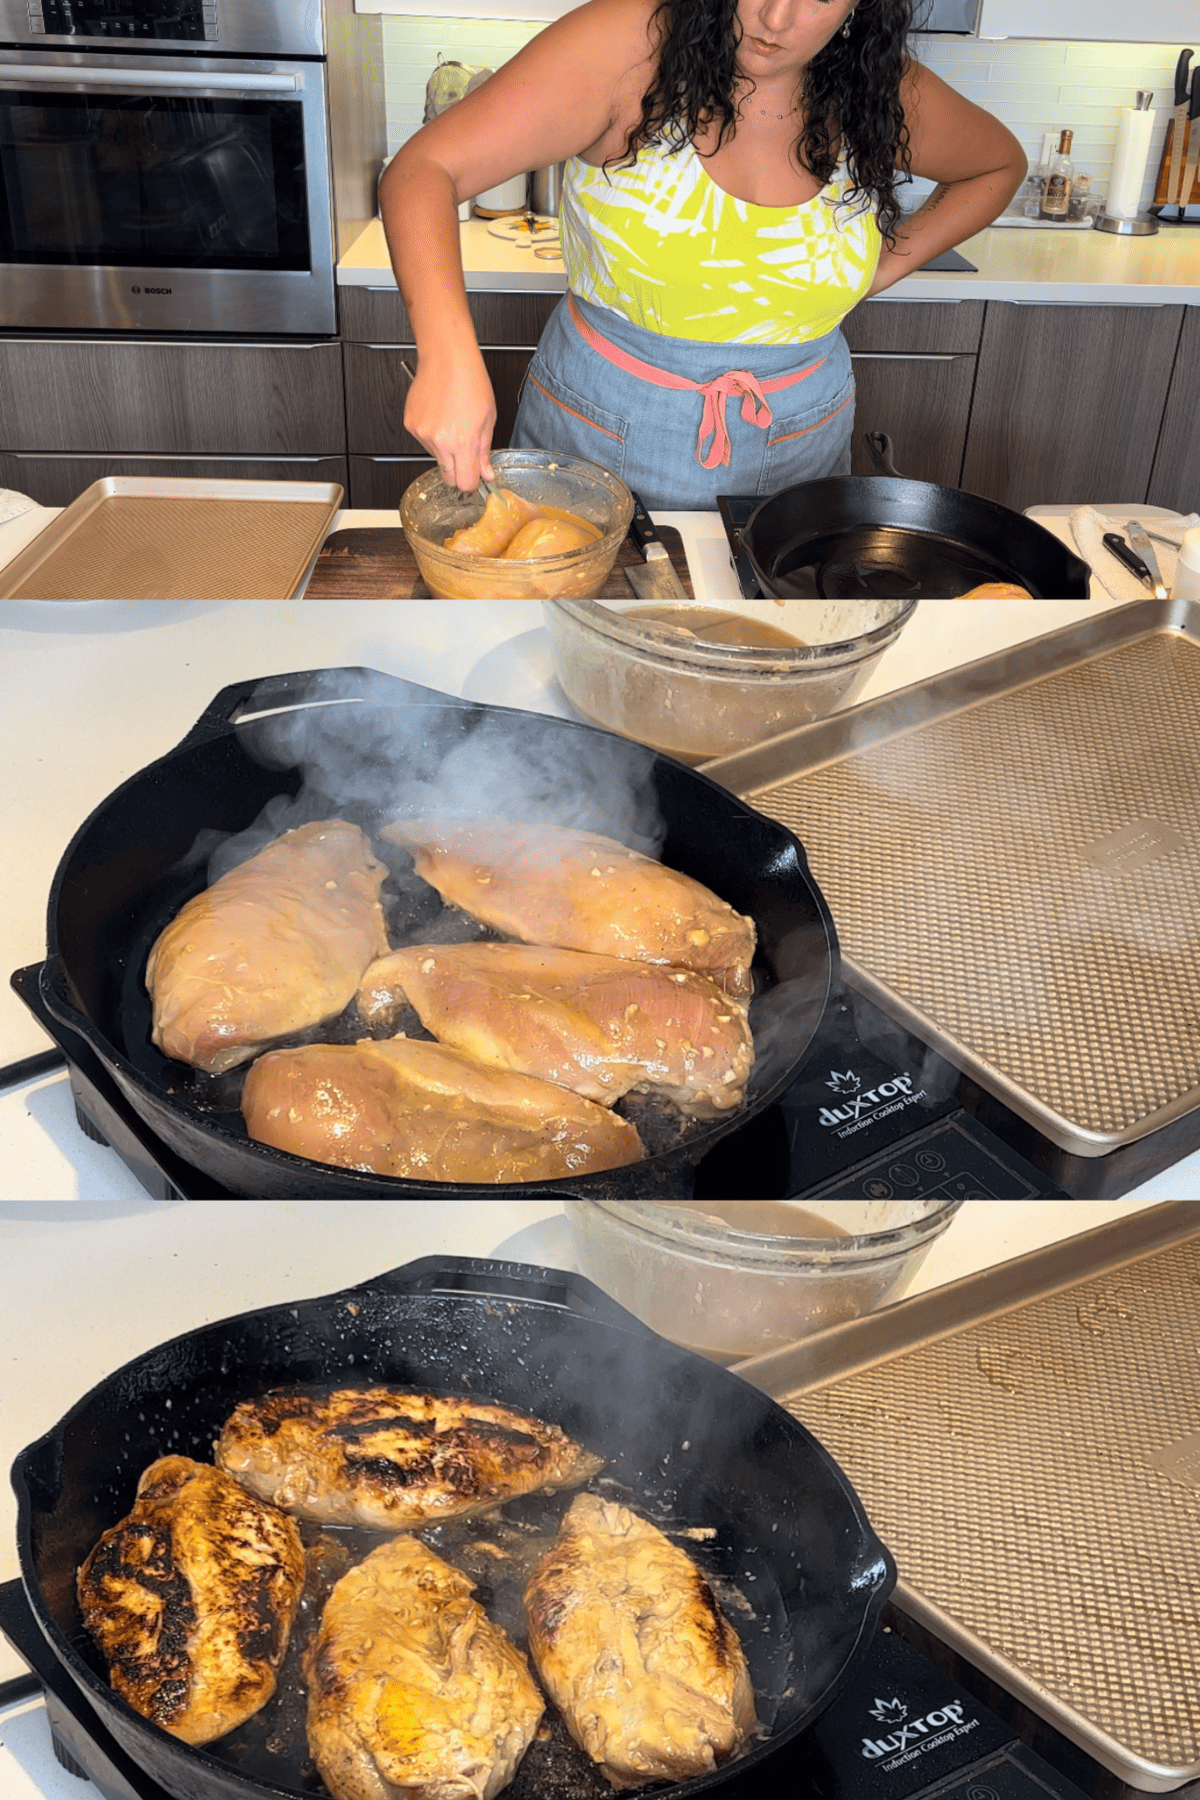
(146, 1647)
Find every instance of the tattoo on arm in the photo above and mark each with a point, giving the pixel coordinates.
(935, 199)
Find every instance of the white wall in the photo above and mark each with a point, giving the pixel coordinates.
(1033, 87)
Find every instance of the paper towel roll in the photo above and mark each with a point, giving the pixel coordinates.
(1129, 164)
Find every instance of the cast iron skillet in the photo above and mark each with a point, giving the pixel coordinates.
(690, 1444)
(144, 852)
(879, 536)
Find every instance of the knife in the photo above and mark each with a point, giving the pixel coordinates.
(1193, 148)
(1179, 119)
(655, 578)
(1120, 549)
(1145, 549)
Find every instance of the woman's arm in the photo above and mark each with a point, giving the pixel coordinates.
(975, 160)
(557, 97)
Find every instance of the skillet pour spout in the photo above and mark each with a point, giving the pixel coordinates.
(767, 1513)
(368, 747)
(881, 536)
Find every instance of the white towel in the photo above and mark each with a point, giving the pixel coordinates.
(12, 504)
(1088, 527)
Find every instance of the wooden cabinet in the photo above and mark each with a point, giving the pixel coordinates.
(146, 396)
(378, 353)
(1069, 402)
(1175, 478)
(914, 364)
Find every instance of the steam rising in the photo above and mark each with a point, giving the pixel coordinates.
(371, 756)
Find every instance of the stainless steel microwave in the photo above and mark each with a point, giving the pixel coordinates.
(164, 166)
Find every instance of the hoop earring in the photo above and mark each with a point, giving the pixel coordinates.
(846, 26)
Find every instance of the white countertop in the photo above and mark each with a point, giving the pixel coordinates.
(1039, 267)
(85, 1287)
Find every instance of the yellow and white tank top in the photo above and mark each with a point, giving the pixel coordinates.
(662, 245)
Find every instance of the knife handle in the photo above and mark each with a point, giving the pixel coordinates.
(642, 531)
(1181, 77)
(1120, 549)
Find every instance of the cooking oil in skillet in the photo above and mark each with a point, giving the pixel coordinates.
(713, 625)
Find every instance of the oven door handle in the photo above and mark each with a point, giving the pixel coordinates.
(161, 82)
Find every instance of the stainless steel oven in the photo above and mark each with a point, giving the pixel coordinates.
(164, 166)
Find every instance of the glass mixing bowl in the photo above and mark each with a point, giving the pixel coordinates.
(656, 680)
(430, 510)
(735, 1278)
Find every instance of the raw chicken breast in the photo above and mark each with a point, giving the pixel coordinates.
(502, 517)
(548, 885)
(632, 1648)
(551, 537)
(191, 1599)
(595, 1024)
(412, 1691)
(409, 1108)
(275, 946)
(393, 1460)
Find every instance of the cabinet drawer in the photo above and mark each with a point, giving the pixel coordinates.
(923, 403)
(57, 480)
(144, 397)
(915, 327)
(378, 481)
(378, 315)
(377, 385)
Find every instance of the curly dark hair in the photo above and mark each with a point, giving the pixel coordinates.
(851, 95)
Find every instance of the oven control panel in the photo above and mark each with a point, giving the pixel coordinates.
(177, 21)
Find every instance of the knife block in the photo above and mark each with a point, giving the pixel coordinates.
(1164, 173)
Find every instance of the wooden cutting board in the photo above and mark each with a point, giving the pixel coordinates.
(376, 563)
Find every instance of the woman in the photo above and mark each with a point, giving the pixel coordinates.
(729, 196)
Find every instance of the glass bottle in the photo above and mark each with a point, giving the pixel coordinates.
(1056, 191)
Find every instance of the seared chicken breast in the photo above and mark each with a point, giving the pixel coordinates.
(412, 1691)
(426, 1112)
(192, 1597)
(274, 947)
(578, 891)
(598, 1025)
(394, 1460)
(632, 1648)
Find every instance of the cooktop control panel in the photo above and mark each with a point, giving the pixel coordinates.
(174, 20)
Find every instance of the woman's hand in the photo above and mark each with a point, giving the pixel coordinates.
(451, 409)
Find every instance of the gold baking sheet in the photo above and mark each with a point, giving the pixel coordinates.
(160, 538)
(1011, 853)
(1025, 1442)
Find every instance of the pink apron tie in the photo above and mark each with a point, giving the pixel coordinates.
(735, 382)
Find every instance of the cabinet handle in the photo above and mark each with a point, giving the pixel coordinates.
(908, 355)
(163, 82)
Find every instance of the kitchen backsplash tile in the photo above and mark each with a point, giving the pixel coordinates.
(1033, 86)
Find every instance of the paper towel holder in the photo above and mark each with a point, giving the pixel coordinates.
(1143, 224)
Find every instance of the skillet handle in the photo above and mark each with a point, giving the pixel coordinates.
(879, 448)
(496, 1279)
(268, 692)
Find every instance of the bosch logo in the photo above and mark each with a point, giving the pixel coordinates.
(138, 290)
(135, 290)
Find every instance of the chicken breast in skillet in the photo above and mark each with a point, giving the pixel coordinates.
(394, 1460)
(579, 891)
(192, 1597)
(274, 947)
(412, 1691)
(598, 1025)
(632, 1648)
(426, 1112)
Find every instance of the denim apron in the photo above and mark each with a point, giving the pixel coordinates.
(743, 419)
